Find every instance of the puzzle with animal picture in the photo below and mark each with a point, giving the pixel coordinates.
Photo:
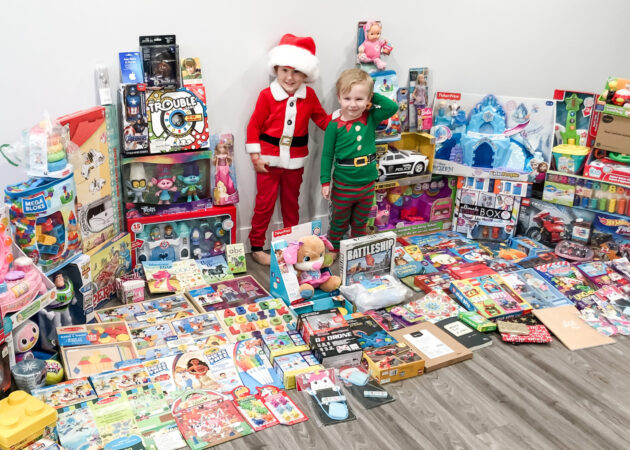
(151, 336)
(198, 326)
(214, 268)
(264, 316)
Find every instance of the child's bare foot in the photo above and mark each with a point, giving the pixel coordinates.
(261, 258)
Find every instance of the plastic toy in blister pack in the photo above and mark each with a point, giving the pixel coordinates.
(370, 46)
(224, 190)
(133, 115)
(327, 399)
(160, 56)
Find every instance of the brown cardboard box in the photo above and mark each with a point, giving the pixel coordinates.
(613, 134)
(435, 346)
(393, 362)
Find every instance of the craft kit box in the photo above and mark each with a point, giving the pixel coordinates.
(172, 237)
(96, 175)
(492, 136)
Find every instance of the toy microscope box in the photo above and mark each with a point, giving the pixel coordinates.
(366, 257)
(96, 176)
(44, 221)
(492, 136)
(172, 237)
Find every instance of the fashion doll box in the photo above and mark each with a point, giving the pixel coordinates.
(96, 176)
(366, 258)
(490, 136)
(435, 346)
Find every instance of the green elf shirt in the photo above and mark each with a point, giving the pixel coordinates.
(352, 139)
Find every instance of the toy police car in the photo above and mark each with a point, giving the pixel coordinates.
(398, 163)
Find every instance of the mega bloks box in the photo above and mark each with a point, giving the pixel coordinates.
(366, 257)
(492, 136)
(192, 234)
(96, 175)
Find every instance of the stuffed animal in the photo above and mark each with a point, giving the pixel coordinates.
(25, 337)
(307, 256)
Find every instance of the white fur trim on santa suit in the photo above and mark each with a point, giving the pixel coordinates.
(296, 57)
(252, 148)
(276, 161)
(280, 94)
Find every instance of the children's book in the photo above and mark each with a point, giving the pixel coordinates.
(567, 325)
(109, 383)
(172, 276)
(235, 254)
(198, 326)
(465, 335)
(65, 394)
(214, 268)
(366, 257)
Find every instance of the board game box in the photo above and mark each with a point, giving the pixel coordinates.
(366, 257)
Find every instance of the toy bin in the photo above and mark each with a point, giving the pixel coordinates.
(164, 184)
(192, 234)
(43, 218)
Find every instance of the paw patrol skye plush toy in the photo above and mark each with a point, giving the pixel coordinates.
(307, 256)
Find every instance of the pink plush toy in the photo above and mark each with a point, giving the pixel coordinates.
(370, 50)
(307, 257)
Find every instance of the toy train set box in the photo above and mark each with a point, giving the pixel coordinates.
(95, 176)
(491, 136)
(43, 217)
(192, 234)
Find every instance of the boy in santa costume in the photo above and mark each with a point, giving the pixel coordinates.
(277, 135)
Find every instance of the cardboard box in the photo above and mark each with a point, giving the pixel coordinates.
(435, 346)
(288, 366)
(337, 348)
(393, 363)
(613, 134)
(283, 343)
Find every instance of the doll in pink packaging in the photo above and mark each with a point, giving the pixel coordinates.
(370, 50)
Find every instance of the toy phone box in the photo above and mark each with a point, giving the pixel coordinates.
(393, 363)
(44, 219)
(435, 346)
(164, 184)
(283, 277)
(492, 136)
(133, 119)
(366, 257)
(576, 118)
(420, 112)
(223, 170)
(96, 176)
(177, 120)
(160, 60)
(173, 237)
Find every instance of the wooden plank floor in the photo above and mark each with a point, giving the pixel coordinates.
(506, 397)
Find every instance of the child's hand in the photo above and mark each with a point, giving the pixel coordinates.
(326, 192)
(259, 164)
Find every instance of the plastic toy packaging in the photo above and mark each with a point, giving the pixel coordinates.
(160, 55)
(223, 175)
(386, 291)
(327, 399)
(363, 388)
(371, 46)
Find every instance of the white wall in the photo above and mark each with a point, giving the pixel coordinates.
(485, 46)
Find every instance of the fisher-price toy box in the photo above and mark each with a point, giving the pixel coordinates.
(43, 218)
(96, 176)
(492, 136)
(166, 184)
(172, 237)
(613, 132)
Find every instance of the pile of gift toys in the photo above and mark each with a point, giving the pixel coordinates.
(491, 214)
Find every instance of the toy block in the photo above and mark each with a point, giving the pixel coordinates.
(23, 419)
(45, 238)
(49, 249)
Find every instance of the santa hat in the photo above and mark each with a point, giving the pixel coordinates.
(297, 52)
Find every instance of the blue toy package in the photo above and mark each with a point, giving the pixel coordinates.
(386, 83)
(492, 136)
(131, 71)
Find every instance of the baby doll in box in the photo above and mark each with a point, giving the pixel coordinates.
(307, 256)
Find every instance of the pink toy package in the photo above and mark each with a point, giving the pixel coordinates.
(223, 175)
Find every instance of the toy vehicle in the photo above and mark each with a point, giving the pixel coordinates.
(397, 163)
(548, 228)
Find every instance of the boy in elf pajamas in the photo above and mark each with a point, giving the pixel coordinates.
(349, 147)
(277, 135)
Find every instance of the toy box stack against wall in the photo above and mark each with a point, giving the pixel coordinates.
(44, 219)
(192, 234)
(288, 273)
(366, 259)
(492, 136)
(96, 176)
(488, 209)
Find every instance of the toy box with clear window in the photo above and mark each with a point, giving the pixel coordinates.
(165, 184)
(492, 136)
(172, 237)
(613, 131)
(95, 175)
(160, 60)
(44, 221)
(133, 119)
(420, 112)
(223, 173)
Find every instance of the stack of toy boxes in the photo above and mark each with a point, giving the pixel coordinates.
(166, 166)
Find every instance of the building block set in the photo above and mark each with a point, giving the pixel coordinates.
(130, 319)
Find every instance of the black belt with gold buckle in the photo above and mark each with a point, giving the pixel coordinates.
(289, 141)
(359, 161)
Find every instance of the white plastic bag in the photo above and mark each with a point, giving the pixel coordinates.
(390, 292)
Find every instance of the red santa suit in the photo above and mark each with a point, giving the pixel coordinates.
(278, 130)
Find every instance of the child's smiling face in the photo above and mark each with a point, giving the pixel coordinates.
(289, 78)
(354, 102)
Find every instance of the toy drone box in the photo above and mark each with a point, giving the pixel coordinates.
(95, 175)
(393, 363)
(366, 258)
(318, 322)
(337, 348)
(491, 136)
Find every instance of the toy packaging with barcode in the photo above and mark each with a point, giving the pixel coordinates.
(292, 364)
(393, 363)
(366, 258)
(327, 399)
(336, 348)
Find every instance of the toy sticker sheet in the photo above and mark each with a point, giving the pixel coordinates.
(261, 317)
(65, 394)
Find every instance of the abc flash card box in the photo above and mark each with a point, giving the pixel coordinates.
(366, 258)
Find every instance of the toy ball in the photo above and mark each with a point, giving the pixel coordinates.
(55, 372)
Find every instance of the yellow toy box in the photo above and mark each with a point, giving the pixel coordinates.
(24, 420)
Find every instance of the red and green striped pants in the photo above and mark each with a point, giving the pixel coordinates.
(351, 206)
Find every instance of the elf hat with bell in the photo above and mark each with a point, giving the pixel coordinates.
(297, 52)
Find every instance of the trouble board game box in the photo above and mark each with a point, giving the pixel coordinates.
(366, 257)
(393, 363)
(337, 348)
